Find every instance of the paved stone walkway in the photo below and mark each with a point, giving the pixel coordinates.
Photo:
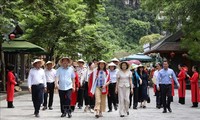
(24, 111)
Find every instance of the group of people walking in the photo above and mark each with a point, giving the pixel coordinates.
(124, 85)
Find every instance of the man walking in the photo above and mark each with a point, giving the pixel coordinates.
(65, 83)
(50, 74)
(37, 85)
(164, 84)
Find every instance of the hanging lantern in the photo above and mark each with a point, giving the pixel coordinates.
(172, 54)
(12, 36)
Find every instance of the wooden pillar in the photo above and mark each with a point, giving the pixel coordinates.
(22, 66)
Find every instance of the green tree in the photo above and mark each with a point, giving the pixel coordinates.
(149, 38)
(180, 14)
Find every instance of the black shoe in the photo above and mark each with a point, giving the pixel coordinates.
(170, 110)
(97, 116)
(135, 108)
(63, 115)
(115, 107)
(127, 113)
(50, 108)
(144, 106)
(37, 115)
(69, 115)
(158, 106)
(121, 115)
(164, 111)
(109, 110)
(44, 108)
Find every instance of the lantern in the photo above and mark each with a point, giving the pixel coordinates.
(12, 36)
(172, 54)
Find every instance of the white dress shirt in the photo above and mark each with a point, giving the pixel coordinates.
(36, 76)
(81, 74)
(50, 75)
(113, 76)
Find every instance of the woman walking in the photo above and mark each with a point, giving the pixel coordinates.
(98, 86)
(123, 87)
(112, 86)
(181, 80)
(143, 87)
(76, 85)
(194, 86)
(136, 80)
(10, 86)
(89, 101)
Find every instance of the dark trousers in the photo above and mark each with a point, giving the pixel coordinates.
(112, 96)
(158, 98)
(37, 96)
(50, 91)
(88, 100)
(80, 96)
(86, 96)
(65, 100)
(135, 97)
(166, 95)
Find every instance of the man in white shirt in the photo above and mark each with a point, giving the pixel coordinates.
(37, 85)
(50, 74)
(81, 70)
(65, 82)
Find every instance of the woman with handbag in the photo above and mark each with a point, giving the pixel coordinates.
(98, 86)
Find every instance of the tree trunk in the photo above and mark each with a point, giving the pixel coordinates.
(3, 72)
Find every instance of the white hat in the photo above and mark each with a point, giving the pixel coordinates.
(101, 61)
(69, 60)
(49, 62)
(140, 65)
(112, 64)
(114, 60)
(134, 66)
(37, 60)
(81, 60)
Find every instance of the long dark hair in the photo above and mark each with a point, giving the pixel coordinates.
(104, 69)
(138, 71)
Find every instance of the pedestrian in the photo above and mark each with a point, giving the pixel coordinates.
(112, 86)
(143, 87)
(50, 74)
(194, 87)
(75, 92)
(182, 82)
(123, 87)
(158, 93)
(137, 81)
(89, 101)
(98, 86)
(116, 61)
(37, 84)
(10, 85)
(81, 70)
(66, 84)
(164, 84)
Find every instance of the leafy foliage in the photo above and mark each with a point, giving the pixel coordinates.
(180, 14)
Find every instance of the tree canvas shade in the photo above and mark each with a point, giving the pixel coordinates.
(141, 57)
(21, 46)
